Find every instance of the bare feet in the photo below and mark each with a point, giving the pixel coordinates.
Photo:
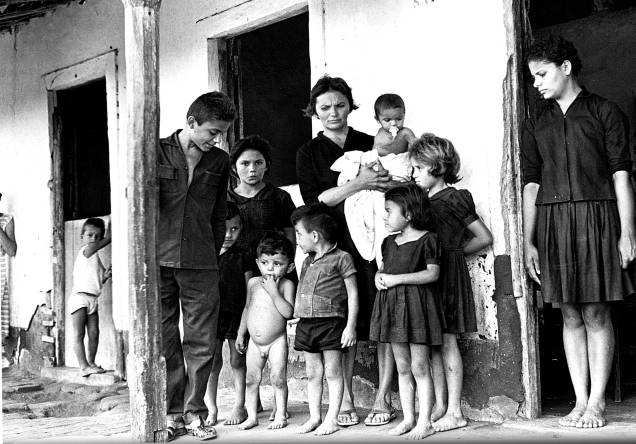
(307, 427)
(272, 416)
(421, 432)
(449, 422)
(248, 424)
(438, 412)
(212, 417)
(327, 428)
(238, 415)
(278, 424)
(402, 428)
(593, 418)
(573, 417)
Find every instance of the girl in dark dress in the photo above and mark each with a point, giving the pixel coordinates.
(578, 202)
(331, 101)
(407, 312)
(461, 232)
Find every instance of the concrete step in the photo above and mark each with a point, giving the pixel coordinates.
(72, 374)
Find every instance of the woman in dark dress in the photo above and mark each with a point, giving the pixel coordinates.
(331, 102)
(578, 217)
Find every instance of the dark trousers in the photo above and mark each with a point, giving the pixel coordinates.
(198, 292)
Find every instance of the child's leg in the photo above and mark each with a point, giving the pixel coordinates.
(255, 363)
(454, 371)
(402, 355)
(439, 383)
(420, 367)
(335, 382)
(278, 376)
(79, 327)
(92, 328)
(382, 401)
(348, 360)
(213, 384)
(237, 362)
(315, 370)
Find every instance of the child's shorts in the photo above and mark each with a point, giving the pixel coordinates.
(83, 300)
(314, 335)
(229, 324)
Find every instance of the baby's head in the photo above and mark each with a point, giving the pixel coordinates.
(389, 112)
(313, 225)
(233, 225)
(434, 158)
(407, 204)
(274, 255)
(93, 230)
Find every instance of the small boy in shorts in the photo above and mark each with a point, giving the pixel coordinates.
(270, 303)
(327, 305)
(393, 136)
(89, 276)
(234, 273)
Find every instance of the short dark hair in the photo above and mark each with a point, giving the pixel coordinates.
(272, 243)
(231, 210)
(253, 142)
(325, 84)
(212, 106)
(315, 217)
(388, 101)
(439, 153)
(555, 49)
(94, 222)
(413, 202)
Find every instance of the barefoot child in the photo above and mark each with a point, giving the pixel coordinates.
(89, 276)
(270, 303)
(327, 305)
(234, 274)
(407, 311)
(461, 232)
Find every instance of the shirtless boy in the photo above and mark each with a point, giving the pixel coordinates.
(269, 304)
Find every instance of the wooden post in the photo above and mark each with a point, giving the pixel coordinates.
(145, 364)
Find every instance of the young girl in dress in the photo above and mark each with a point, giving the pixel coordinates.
(407, 310)
(461, 232)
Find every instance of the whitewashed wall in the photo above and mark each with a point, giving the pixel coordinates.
(447, 59)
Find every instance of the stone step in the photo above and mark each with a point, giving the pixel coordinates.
(72, 374)
(21, 387)
(9, 406)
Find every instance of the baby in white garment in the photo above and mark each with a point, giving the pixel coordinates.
(364, 211)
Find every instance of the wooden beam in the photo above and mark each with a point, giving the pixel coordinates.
(145, 364)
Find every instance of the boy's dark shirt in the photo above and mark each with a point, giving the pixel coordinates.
(574, 156)
(232, 267)
(191, 218)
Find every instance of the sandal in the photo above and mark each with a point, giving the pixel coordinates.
(390, 416)
(175, 429)
(97, 368)
(348, 418)
(200, 430)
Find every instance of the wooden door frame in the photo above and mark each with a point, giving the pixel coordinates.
(101, 66)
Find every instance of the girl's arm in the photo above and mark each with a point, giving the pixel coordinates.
(431, 274)
(282, 304)
(349, 334)
(625, 203)
(482, 237)
(7, 239)
(367, 179)
(529, 222)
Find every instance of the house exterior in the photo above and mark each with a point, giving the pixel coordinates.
(455, 63)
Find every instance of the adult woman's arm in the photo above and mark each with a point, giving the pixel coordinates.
(367, 179)
(529, 223)
(7, 239)
(625, 203)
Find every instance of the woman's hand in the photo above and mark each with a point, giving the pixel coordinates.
(532, 262)
(627, 248)
(369, 179)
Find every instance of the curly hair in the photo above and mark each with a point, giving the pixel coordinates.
(439, 154)
(325, 84)
(555, 49)
(413, 203)
(272, 243)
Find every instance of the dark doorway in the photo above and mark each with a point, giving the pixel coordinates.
(270, 85)
(84, 147)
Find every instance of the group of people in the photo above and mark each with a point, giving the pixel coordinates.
(226, 253)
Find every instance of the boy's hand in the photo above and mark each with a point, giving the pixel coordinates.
(270, 285)
(379, 281)
(348, 338)
(293, 321)
(239, 344)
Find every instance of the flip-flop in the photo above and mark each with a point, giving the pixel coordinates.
(175, 430)
(98, 368)
(200, 431)
(352, 418)
(375, 412)
(86, 372)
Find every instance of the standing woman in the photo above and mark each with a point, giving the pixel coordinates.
(8, 248)
(579, 209)
(331, 101)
